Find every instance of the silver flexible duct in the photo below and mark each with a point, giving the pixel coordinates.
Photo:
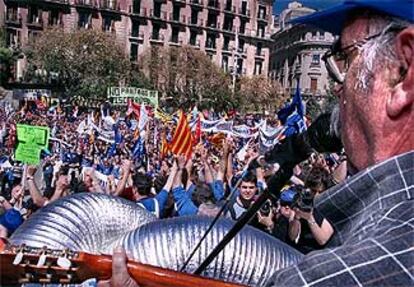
(81, 222)
(250, 258)
(95, 223)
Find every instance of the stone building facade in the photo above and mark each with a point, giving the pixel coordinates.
(216, 27)
(296, 54)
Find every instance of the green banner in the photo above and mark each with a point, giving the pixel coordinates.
(32, 139)
(119, 96)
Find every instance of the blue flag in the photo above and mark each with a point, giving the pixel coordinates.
(292, 115)
(138, 150)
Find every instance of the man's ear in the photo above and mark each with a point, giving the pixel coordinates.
(402, 95)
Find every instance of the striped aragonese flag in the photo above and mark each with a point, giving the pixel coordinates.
(181, 142)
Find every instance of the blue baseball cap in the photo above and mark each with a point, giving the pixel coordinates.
(11, 219)
(332, 19)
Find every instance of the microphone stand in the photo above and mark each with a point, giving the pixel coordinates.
(276, 183)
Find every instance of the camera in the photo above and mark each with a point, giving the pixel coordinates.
(305, 200)
(266, 207)
(297, 196)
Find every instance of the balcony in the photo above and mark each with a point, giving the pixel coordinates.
(199, 24)
(140, 13)
(180, 2)
(213, 25)
(13, 19)
(195, 44)
(197, 3)
(244, 12)
(35, 21)
(229, 29)
(263, 18)
(56, 21)
(110, 5)
(62, 2)
(213, 4)
(157, 39)
(229, 9)
(162, 15)
(259, 54)
(176, 42)
(87, 3)
(134, 35)
(177, 19)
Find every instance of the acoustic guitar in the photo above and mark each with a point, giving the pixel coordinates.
(25, 264)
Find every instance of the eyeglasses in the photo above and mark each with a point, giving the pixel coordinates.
(338, 60)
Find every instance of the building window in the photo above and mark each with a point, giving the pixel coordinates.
(316, 61)
(241, 46)
(225, 63)
(155, 32)
(193, 38)
(134, 52)
(261, 13)
(314, 85)
(13, 38)
(33, 35)
(258, 67)
(135, 29)
(55, 18)
(259, 49)
(261, 28)
(211, 41)
(242, 27)
(176, 13)
(84, 20)
(107, 24)
(35, 15)
(228, 23)
(226, 43)
(239, 66)
(244, 8)
(212, 20)
(136, 6)
(174, 34)
(194, 17)
(157, 9)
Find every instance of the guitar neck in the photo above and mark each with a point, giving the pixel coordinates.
(151, 276)
(23, 264)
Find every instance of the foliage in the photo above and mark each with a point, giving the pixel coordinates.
(85, 62)
(185, 76)
(258, 93)
(7, 57)
(317, 105)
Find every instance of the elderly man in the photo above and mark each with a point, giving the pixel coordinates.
(372, 212)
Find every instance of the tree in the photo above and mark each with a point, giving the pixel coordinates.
(7, 57)
(85, 62)
(186, 76)
(259, 93)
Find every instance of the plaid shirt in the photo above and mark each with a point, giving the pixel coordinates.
(373, 244)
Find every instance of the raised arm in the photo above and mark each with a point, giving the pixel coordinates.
(126, 170)
(38, 199)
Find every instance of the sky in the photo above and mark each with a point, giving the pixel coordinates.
(280, 5)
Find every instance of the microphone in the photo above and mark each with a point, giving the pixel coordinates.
(321, 136)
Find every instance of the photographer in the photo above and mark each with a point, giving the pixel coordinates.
(308, 229)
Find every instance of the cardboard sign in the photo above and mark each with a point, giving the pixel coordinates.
(32, 139)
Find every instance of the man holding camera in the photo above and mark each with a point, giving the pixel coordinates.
(297, 222)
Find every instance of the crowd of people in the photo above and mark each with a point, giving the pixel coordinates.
(133, 166)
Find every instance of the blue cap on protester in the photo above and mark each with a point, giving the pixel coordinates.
(332, 19)
(288, 196)
(11, 219)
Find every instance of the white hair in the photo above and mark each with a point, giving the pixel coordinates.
(379, 50)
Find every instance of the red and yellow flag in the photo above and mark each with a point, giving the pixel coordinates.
(182, 140)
